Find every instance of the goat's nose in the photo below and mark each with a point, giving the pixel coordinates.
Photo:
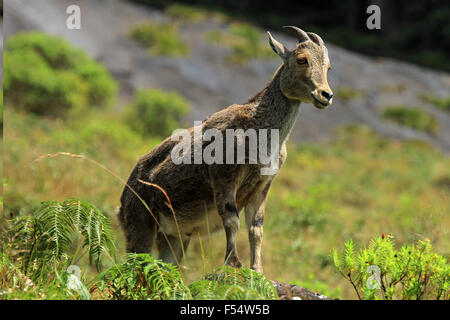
(327, 95)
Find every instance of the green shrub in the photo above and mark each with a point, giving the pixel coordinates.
(161, 39)
(381, 271)
(245, 42)
(46, 75)
(155, 112)
(411, 117)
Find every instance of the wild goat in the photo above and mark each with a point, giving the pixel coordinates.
(189, 199)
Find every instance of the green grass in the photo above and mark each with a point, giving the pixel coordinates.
(244, 41)
(442, 103)
(414, 118)
(161, 39)
(105, 137)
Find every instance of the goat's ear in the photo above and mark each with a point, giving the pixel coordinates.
(278, 47)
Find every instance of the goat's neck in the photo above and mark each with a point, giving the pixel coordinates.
(274, 110)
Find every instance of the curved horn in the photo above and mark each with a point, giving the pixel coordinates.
(301, 35)
(315, 38)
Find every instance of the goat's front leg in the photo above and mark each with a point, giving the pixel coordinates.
(254, 218)
(226, 206)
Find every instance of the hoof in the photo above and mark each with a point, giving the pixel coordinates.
(236, 264)
(257, 269)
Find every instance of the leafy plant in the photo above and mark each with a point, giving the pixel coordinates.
(37, 253)
(46, 75)
(43, 240)
(382, 272)
(411, 117)
(155, 112)
(161, 39)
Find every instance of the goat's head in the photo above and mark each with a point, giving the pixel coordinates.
(304, 76)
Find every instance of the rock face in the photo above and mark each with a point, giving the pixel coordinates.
(210, 83)
(293, 292)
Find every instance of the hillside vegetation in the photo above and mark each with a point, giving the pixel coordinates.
(415, 31)
(358, 186)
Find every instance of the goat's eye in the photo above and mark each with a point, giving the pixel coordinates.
(302, 61)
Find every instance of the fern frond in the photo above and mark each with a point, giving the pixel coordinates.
(204, 289)
(57, 225)
(235, 292)
(144, 277)
(94, 226)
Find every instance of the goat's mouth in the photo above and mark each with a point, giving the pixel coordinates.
(319, 104)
